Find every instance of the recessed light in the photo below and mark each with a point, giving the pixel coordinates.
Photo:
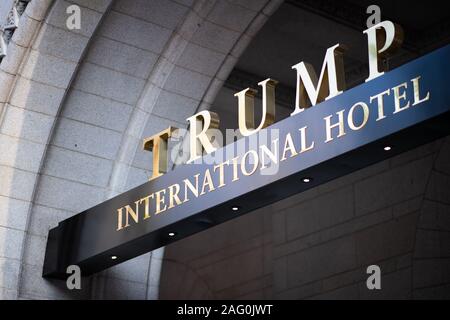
(306, 180)
(235, 208)
(387, 148)
(113, 257)
(172, 234)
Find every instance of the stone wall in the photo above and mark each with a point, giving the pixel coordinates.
(318, 244)
(76, 104)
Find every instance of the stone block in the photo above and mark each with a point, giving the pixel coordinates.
(108, 83)
(136, 177)
(301, 292)
(155, 271)
(428, 244)
(231, 16)
(16, 183)
(279, 227)
(234, 270)
(67, 195)
(6, 79)
(439, 187)
(97, 5)
(48, 69)
(321, 261)
(34, 252)
(442, 163)
(20, 153)
(13, 59)
(96, 110)
(11, 243)
(60, 43)
(44, 218)
(215, 37)
(9, 269)
(213, 90)
(37, 9)
(27, 124)
(394, 286)
(8, 294)
(14, 213)
(416, 153)
(322, 212)
(255, 5)
(75, 166)
(36, 96)
(433, 293)
(82, 137)
(174, 106)
(409, 206)
(346, 293)
(431, 272)
(188, 83)
(385, 240)
(200, 59)
(393, 186)
(122, 57)
(435, 215)
(34, 286)
(135, 32)
(58, 17)
(117, 289)
(27, 28)
(161, 12)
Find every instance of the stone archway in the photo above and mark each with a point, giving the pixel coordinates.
(77, 104)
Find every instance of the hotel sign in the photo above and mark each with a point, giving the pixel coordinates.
(344, 131)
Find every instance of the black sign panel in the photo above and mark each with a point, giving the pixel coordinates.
(402, 109)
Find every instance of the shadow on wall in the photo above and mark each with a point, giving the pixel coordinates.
(318, 244)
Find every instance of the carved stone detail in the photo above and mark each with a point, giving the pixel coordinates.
(11, 24)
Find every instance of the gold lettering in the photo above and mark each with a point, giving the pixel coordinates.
(246, 105)
(188, 184)
(288, 146)
(158, 145)
(272, 155)
(255, 162)
(130, 212)
(234, 161)
(173, 195)
(330, 83)
(382, 39)
(160, 200)
(416, 87)
(221, 172)
(303, 146)
(339, 124)
(351, 122)
(199, 134)
(207, 181)
(400, 96)
(146, 205)
(380, 102)
(119, 219)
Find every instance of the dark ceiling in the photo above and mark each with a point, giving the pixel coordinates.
(302, 30)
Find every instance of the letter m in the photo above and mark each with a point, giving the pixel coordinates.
(330, 83)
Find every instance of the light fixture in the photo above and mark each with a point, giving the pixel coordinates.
(235, 208)
(113, 257)
(172, 234)
(387, 148)
(306, 180)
